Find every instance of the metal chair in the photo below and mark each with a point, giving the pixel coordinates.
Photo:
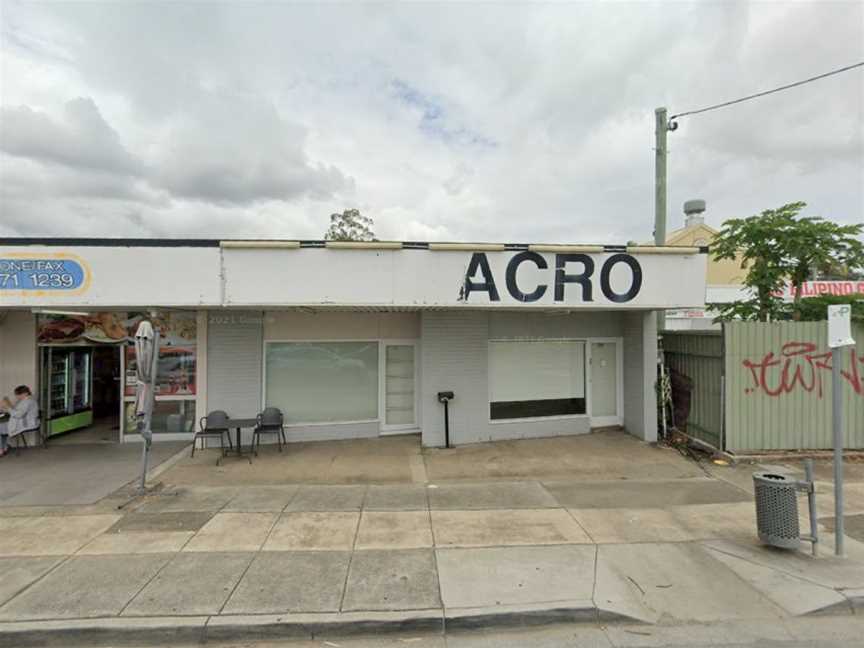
(270, 421)
(215, 424)
(20, 439)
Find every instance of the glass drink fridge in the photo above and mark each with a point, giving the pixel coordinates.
(69, 401)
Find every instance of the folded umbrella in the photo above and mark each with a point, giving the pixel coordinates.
(146, 366)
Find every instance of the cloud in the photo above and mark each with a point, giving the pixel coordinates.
(79, 137)
(236, 150)
(528, 122)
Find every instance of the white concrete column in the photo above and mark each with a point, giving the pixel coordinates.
(640, 374)
(201, 366)
(18, 351)
(649, 380)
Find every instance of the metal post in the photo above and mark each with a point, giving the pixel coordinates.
(145, 456)
(722, 444)
(660, 129)
(446, 425)
(811, 504)
(837, 421)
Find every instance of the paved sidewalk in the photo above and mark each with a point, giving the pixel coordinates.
(229, 562)
(68, 475)
(601, 455)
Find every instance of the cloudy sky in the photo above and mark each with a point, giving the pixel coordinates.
(441, 121)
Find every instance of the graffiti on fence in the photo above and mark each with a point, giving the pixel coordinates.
(800, 366)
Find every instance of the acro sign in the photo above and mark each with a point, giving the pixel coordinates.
(563, 275)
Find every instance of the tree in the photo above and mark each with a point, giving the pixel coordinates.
(777, 248)
(819, 246)
(350, 225)
(759, 240)
(814, 309)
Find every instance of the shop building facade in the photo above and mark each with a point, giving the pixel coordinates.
(350, 340)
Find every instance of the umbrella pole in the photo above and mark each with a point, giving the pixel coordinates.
(145, 425)
(145, 457)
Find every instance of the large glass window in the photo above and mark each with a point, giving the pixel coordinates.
(176, 376)
(175, 373)
(535, 378)
(321, 382)
(169, 417)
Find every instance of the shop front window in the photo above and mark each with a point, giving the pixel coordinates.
(169, 417)
(80, 376)
(175, 375)
(536, 378)
(322, 382)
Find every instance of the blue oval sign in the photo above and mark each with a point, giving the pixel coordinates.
(41, 274)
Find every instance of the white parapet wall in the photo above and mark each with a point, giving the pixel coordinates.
(270, 274)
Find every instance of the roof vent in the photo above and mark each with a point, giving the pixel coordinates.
(694, 212)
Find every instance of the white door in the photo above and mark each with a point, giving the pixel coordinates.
(399, 411)
(605, 398)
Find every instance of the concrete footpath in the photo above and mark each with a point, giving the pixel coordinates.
(222, 563)
(75, 475)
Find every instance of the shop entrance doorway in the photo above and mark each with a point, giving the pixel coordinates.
(87, 376)
(398, 394)
(606, 402)
(80, 393)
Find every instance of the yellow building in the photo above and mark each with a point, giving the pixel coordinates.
(727, 272)
(724, 279)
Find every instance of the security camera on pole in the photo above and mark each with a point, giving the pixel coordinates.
(839, 336)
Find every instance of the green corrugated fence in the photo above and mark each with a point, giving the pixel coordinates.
(698, 355)
(767, 386)
(778, 387)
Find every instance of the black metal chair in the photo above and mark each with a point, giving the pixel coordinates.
(215, 424)
(270, 421)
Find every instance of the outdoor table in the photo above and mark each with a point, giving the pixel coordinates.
(238, 424)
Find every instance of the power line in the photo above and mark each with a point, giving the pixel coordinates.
(767, 92)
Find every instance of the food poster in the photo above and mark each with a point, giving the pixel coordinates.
(177, 343)
(175, 375)
(87, 328)
(175, 328)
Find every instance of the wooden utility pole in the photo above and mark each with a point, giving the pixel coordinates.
(660, 129)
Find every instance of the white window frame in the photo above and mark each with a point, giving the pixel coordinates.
(383, 428)
(618, 418)
(300, 424)
(122, 387)
(199, 397)
(594, 421)
(531, 419)
(382, 386)
(134, 437)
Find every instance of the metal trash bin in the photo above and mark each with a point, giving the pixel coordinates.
(777, 509)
